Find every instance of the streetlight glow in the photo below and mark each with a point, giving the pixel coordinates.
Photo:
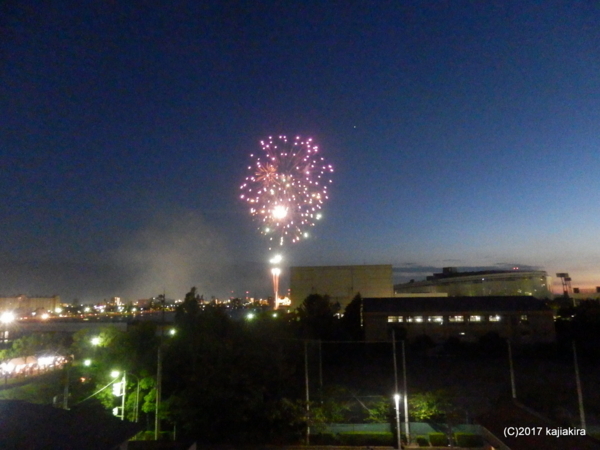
(7, 317)
(397, 401)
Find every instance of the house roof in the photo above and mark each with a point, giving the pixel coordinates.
(27, 426)
(492, 304)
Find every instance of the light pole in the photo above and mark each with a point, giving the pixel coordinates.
(579, 392)
(119, 390)
(397, 402)
(512, 371)
(406, 419)
(123, 395)
(68, 366)
(307, 393)
(158, 392)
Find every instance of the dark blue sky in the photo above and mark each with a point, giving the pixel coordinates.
(462, 134)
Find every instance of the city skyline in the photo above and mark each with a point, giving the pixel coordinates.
(461, 135)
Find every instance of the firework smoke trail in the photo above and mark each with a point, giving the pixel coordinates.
(287, 188)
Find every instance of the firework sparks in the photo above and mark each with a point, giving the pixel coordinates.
(287, 188)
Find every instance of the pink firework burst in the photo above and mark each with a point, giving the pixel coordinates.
(287, 187)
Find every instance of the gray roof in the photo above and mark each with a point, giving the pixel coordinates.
(26, 425)
(492, 304)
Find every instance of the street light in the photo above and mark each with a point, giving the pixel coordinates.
(95, 341)
(6, 318)
(119, 390)
(397, 402)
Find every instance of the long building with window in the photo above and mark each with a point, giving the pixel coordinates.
(24, 305)
(482, 283)
(522, 319)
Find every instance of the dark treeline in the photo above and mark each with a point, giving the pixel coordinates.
(224, 380)
(235, 381)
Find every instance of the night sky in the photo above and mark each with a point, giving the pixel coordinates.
(462, 134)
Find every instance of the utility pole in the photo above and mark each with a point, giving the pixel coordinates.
(67, 381)
(137, 401)
(320, 372)
(394, 358)
(512, 371)
(159, 371)
(124, 391)
(398, 437)
(406, 422)
(579, 392)
(396, 393)
(307, 393)
(158, 392)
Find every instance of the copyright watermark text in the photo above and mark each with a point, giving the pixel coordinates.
(543, 431)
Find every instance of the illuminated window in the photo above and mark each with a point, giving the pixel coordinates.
(436, 319)
(524, 317)
(395, 319)
(495, 318)
(414, 319)
(475, 319)
(456, 318)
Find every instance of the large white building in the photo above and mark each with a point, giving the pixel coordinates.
(340, 283)
(484, 283)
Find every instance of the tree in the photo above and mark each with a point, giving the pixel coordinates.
(189, 309)
(336, 402)
(351, 321)
(317, 316)
(380, 410)
(133, 351)
(221, 375)
(431, 405)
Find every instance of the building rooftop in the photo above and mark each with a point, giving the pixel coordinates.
(26, 425)
(452, 272)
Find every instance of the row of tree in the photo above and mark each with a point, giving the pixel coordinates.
(230, 381)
